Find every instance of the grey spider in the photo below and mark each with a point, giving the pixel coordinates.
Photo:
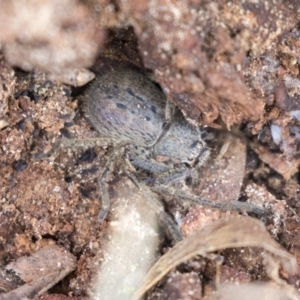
(127, 107)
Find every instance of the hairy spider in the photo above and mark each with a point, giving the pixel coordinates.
(129, 108)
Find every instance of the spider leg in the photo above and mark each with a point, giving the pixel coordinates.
(105, 202)
(149, 165)
(235, 205)
(178, 172)
(163, 173)
(166, 221)
(74, 143)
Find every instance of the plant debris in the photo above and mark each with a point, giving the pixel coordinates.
(40, 271)
(219, 235)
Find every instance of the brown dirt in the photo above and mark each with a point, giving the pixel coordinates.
(226, 66)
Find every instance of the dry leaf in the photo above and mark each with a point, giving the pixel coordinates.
(225, 233)
(40, 271)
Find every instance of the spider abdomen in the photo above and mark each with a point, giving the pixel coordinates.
(127, 106)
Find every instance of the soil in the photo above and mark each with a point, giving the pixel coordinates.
(231, 68)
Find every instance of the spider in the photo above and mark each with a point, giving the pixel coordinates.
(130, 109)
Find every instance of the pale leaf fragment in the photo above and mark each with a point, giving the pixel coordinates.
(225, 233)
(40, 271)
